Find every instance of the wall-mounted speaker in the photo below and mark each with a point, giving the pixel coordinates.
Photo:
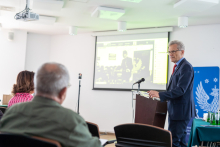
(10, 36)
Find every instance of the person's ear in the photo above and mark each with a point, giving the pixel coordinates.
(62, 94)
(183, 51)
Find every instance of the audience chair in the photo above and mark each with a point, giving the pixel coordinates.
(3, 109)
(1, 114)
(136, 135)
(16, 140)
(94, 130)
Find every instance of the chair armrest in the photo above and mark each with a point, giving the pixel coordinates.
(110, 142)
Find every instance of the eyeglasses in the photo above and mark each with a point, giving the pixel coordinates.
(172, 52)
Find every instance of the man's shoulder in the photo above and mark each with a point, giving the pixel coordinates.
(60, 111)
(18, 106)
(186, 64)
(68, 111)
(70, 115)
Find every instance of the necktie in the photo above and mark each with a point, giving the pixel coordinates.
(174, 68)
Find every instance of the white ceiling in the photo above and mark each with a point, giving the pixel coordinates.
(148, 13)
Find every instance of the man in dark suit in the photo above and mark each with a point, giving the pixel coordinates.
(126, 66)
(179, 94)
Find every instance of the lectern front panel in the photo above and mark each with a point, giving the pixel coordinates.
(149, 111)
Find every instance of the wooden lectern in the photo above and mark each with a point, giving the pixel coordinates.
(149, 111)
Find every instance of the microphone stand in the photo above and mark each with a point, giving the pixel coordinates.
(79, 96)
(132, 105)
(133, 100)
(138, 87)
(80, 77)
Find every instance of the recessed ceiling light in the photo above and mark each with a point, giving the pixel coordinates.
(50, 5)
(47, 20)
(82, 1)
(122, 26)
(195, 5)
(183, 22)
(134, 1)
(72, 30)
(108, 13)
(3, 8)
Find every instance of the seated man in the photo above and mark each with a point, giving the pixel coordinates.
(44, 116)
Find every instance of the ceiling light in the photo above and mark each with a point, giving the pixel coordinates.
(183, 22)
(47, 20)
(134, 1)
(3, 8)
(72, 30)
(122, 26)
(82, 1)
(108, 13)
(195, 5)
(49, 5)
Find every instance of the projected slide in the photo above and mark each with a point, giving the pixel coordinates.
(122, 60)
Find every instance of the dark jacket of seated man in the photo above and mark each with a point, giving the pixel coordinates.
(46, 118)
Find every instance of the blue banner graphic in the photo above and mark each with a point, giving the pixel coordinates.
(206, 89)
(205, 92)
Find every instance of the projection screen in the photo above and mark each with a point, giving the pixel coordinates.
(122, 60)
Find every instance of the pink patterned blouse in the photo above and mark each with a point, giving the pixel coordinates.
(19, 98)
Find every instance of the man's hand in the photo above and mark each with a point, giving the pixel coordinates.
(153, 93)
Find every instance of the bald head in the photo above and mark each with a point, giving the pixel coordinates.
(51, 78)
(50, 67)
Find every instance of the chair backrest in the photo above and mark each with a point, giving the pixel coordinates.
(143, 135)
(93, 129)
(3, 109)
(16, 140)
(48, 140)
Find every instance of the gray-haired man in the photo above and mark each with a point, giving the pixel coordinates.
(179, 94)
(44, 116)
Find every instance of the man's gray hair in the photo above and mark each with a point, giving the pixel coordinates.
(180, 45)
(51, 78)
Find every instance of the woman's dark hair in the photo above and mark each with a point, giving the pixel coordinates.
(24, 83)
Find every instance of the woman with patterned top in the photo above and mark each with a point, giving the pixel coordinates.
(23, 88)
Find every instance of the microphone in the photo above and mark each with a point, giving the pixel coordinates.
(80, 76)
(139, 81)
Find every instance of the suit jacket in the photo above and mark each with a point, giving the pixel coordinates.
(46, 118)
(179, 94)
(126, 64)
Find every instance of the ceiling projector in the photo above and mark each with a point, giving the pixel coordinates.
(26, 15)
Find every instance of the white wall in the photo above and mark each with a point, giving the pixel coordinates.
(110, 108)
(37, 50)
(12, 59)
(106, 108)
(202, 44)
